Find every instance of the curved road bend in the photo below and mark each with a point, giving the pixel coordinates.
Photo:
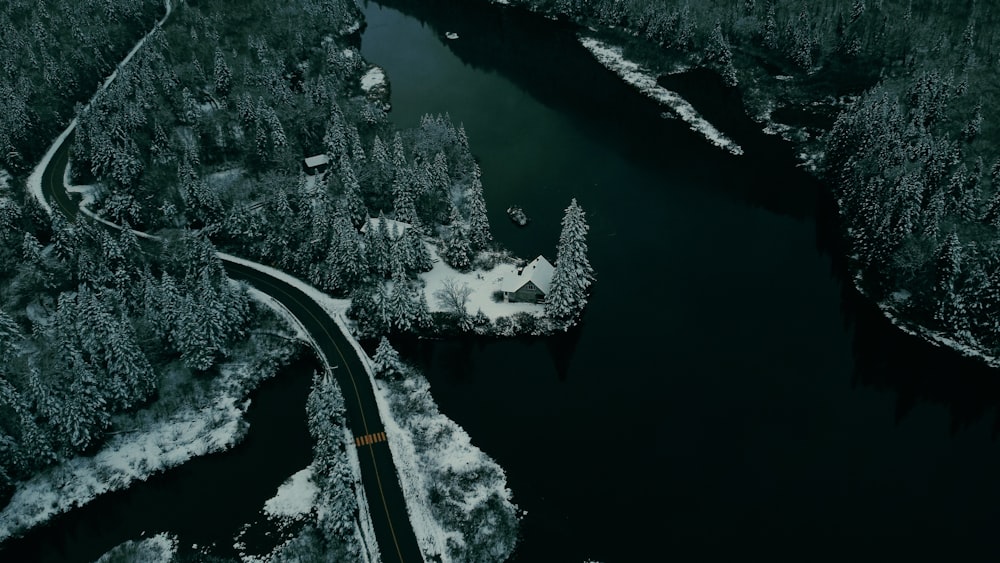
(387, 506)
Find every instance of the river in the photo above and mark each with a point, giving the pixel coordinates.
(728, 395)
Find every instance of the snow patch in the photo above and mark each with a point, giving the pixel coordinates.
(483, 285)
(631, 72)
(295, 497)
(374, 77)
(160, 548)
(130, 457)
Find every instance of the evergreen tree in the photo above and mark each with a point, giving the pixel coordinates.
(355, 205)
(348, 256)
(479, 223)
(223, 76)
(377, 248)
(457, 251)
(386, 360)
(573, 273)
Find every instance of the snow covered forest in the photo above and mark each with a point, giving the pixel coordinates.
(893, 101)
(201, 139)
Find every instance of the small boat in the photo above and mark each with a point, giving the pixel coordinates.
(517, 215)
(451, 35)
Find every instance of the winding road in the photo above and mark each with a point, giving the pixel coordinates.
(387, 505)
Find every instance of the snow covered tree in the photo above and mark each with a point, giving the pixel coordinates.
(454, 297)
(348, 255)
(456, 251)
(573, 273)
(377, 246)
(719, 52)
(223, 76)
(10, 334)
(386, 360)
(353, 202)
(410, 251)
(479, 223)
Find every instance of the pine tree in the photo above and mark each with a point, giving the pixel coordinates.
(404, 201)
(479, 223)
(377, 248)
(11, 338)
(386, 360)
(355, 205)
(348, 256)
(223, 76)
(573, 273)
(457, 251)
(948, 264)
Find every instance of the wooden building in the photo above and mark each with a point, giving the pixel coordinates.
(531, 284)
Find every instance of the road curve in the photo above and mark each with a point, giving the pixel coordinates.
(387, 505)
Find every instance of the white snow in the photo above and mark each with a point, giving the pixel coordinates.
(483, 285)
(295, 497)
(160, 548)
(374, 77)
(35, 179)
(317, 160)
(128, 457)
(352, 27)
(639, 77)
(459, 453)
(278, 307)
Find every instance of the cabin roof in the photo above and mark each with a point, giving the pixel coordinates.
(317, 160)
(539, 272)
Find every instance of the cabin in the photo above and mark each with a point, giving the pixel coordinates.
(316, 164)
(531, 284)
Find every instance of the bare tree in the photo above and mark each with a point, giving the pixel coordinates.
(454, 297)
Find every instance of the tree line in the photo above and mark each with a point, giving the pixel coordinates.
(912, 160)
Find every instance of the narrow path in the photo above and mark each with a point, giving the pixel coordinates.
(387, 505)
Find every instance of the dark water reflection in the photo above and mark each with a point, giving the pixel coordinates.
(728, 395)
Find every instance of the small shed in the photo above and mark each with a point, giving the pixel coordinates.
(531, 284)
(316, 164)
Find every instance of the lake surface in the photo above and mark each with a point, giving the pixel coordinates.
(727, 396)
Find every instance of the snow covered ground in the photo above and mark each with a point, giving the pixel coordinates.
(134, 456)
(160, 548)
(455, 450)
(639, 77)
(375, 77)
(482, 283)
(295, 497)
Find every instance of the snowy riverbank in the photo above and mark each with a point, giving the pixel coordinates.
(159, 442)
(430, 452)
(643, 80)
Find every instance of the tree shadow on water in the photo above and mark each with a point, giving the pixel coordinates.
(561, 347)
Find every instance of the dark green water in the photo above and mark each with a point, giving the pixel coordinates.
(727, 397)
